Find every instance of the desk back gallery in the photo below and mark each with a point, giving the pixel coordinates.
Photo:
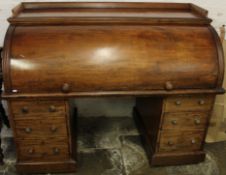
(167, 55)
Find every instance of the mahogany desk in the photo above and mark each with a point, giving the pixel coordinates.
(167, 55)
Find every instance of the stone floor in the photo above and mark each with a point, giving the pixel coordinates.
(111, 146)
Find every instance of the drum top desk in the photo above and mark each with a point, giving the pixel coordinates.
(167, 55)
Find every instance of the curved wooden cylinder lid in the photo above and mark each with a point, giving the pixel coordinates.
(107, 58)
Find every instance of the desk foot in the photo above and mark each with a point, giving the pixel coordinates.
(177, 158)
(46, 167)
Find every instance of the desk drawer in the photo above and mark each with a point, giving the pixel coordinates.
(180, 141)
(44, 141)
(39, 128)
(43, 153)
(24, 109)
(189, 103)
(185, 120)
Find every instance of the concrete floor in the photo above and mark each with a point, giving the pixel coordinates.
(111, 146)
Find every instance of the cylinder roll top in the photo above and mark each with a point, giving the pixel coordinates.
(111, 58)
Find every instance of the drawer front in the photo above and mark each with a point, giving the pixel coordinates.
(24, 109)
(49, 127)
(180, 141)
(189, 103)
(185, 120)
(43, 153)
(45, 141)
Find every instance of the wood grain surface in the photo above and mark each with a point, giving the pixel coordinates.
(189, 103)
(185, 120)
(107, 58)
(167, 55)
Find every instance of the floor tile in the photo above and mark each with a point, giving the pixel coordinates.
(103, 132)
(9, 150)
(6, 132)
(100, 162)
(126, 126)
(135, 159)
(218, 151)
(3, 168)
(97, 132)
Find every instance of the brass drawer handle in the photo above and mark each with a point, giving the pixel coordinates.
(168, 85)
(53, 129)
(197, 121)
(178, 102)
(28, 130)
(201, 102)
(170, 143)
(56, 151)
(193, 141)
(65, 88)
(174, 122)
(52, 108)
(31, 151)
(25, 110)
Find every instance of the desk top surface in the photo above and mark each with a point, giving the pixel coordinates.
(77, 12)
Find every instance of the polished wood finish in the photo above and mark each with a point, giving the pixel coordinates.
(115, 93)
(185, 120)
(180, 141)
(174, 127)
(181, 43)
(189, 103)
(25, 109)
(43, 153)
(166, 55)
(178, 158)
(43, 167)
(95, 60)
(108, 13)
(42, 134)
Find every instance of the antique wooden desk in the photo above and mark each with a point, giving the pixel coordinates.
(166, 55)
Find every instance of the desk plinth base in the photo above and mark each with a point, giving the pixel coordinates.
(46, 167)
(177, 159)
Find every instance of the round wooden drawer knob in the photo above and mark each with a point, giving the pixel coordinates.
(168, 85)
(56, 151)
(197, 121)
(201, 102)
(25, 110)
(193, 141)
(178, 102)
(53, 129)
(52, 108)
(31, 151)
(170, 143)
(65, 88)
(174, 122)
(28, 130)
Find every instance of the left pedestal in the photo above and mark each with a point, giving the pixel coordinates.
(44, 135)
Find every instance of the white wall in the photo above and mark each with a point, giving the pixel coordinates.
(116, 106)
